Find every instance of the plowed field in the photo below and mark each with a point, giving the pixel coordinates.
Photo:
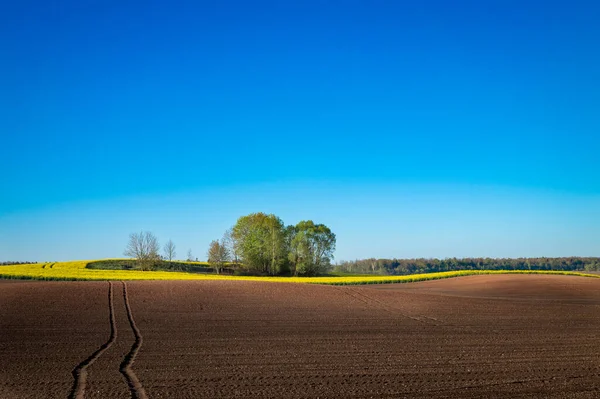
(532, 336)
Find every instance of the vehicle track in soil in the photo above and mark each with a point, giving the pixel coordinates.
(80, 372)
(126, 368)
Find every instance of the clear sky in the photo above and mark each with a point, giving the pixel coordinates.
(411, 128)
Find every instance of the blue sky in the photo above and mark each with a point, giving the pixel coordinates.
(413, 129)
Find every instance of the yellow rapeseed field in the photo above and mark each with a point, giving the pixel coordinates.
(76, 270)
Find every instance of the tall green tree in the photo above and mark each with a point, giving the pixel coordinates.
(293, 251)
(311, 248)
(260, 241)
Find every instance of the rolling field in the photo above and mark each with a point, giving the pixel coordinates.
(469, 337)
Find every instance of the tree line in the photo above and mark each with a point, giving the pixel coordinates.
(258, 243)
(414, 266)
(261, 244)
(7, 263)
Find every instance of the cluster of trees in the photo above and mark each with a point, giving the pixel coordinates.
(261, 244)
(412, 266)
(144, 248)
(257, 244)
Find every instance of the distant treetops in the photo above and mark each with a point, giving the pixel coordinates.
(264, 245)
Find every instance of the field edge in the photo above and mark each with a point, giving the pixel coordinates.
(77, 271)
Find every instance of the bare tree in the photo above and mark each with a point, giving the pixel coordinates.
(143, 246)
(218, 255)
(190, 257)
(169, 250)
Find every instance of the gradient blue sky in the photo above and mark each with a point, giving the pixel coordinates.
(412, 129)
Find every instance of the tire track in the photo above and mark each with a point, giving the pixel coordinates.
(135, 387)
(80, 371)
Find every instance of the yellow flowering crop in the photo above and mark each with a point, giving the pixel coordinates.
(76, 270)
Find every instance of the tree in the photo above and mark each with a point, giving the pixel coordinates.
(232, 245)
(294, 251)
(190, 257)
(218, 255)
(169, 250)
(312, 248)
(260, 241)
(143, 246)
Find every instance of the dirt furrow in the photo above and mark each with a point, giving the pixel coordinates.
(135, 387)
(80, 372)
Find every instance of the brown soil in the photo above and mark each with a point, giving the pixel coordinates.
(503, 336)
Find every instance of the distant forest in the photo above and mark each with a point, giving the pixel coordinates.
(413, 266)
(15, 263)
